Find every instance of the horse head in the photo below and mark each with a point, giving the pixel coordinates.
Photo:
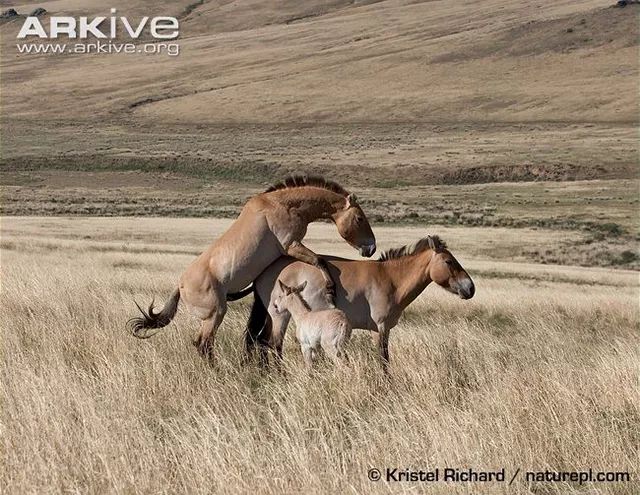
(354, 227)
(445, 270)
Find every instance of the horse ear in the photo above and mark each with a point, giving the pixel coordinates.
(283, 287)
(352, 200)
(301, 287)
(436, 243)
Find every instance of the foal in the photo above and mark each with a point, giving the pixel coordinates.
(327, 328)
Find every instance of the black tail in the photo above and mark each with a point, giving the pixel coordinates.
(239, 295)
(258, 330)
(151, 320)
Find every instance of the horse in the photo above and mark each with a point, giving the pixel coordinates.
(270, 225)
(373, 294)
(326, 328)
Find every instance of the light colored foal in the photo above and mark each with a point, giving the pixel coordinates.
(327, 328)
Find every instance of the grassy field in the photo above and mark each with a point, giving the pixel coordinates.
(538, 371)
(594, 222)
(509, 128)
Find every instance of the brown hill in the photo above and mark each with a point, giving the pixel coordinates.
(343, 61)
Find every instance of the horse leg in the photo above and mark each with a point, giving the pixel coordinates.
(202, 341)
(208, 329)
(264, 342)
(307, 354)
(343, 338)
(383, 347)
(334, 353)
(207, 300)
(258, 331)
(332, 346)
(303, 253)
(279, 323)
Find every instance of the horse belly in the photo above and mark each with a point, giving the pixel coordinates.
(358, 318)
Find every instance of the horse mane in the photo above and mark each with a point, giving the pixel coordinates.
(310, 181)
(409, 249)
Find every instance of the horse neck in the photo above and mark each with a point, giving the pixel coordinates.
(311, 203)
(409, 275)
(297, 307)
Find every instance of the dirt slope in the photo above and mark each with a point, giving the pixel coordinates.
(339, 61)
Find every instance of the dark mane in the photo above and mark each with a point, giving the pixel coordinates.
(312, 181)
(408, 250)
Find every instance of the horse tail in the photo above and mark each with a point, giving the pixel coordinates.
(258, 330)
(140, 325)
(239, 295)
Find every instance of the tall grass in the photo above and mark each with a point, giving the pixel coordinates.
(529, 374)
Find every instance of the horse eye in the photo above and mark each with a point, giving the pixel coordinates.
(449, 262)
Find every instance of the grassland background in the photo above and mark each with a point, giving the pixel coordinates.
(538, 371)
(509, 128)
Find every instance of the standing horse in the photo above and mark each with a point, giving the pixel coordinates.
(373, 294)
(270, 225)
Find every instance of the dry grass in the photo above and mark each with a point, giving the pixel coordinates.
(535, 372)
(539, 370)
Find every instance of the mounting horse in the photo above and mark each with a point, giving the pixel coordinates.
(271, 224)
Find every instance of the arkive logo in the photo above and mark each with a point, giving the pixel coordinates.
(100, 35)
(160, 28)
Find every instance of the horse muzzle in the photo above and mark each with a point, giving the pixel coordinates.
(367, 251)
(466, 289)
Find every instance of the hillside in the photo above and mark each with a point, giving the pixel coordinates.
(343, 61)
(436, 112)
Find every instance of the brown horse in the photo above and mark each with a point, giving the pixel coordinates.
(373, 294)
(270, 225)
